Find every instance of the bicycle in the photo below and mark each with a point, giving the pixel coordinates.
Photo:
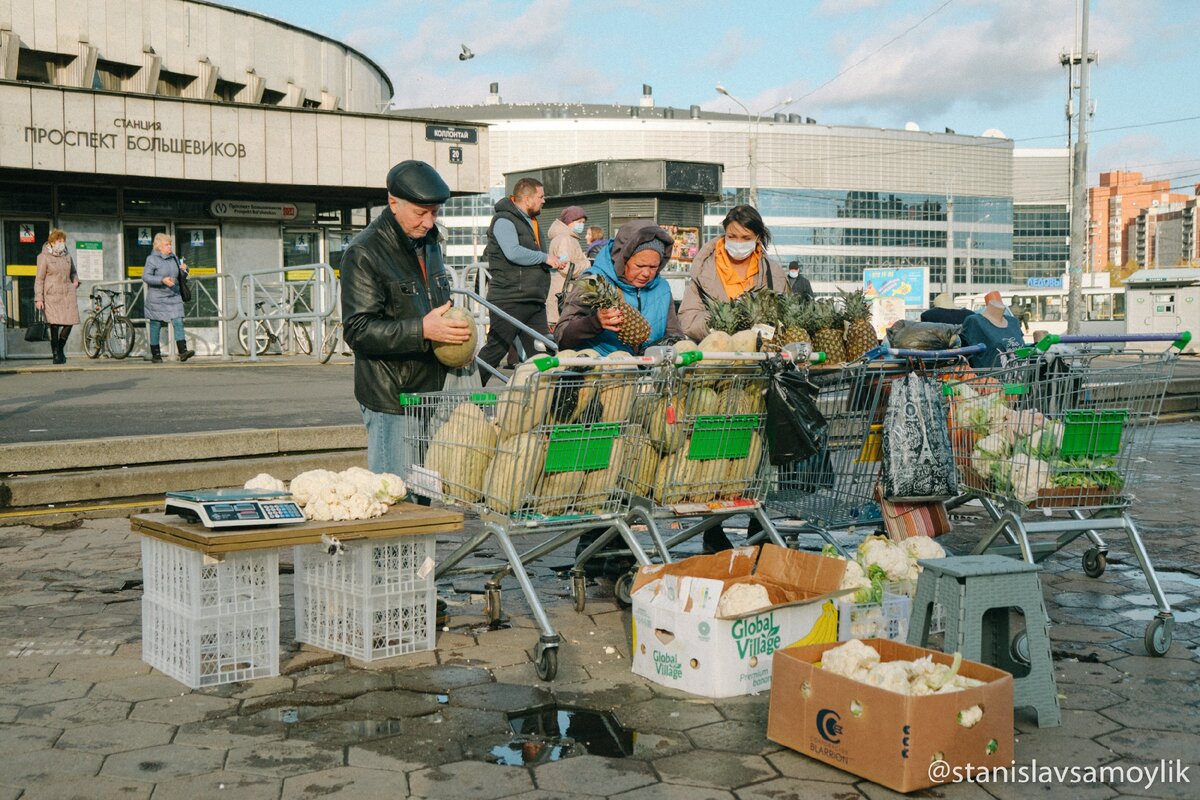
(334, 338)
(107, 328)
(269, 331)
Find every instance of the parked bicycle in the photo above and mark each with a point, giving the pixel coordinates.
(271, 331)
(107, 329)
(334, 340)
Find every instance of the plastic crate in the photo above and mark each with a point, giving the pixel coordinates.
(185, 581)
(373, 600)
(365, 627)
(373, 568)
(887, 619)
(208, 651)
(937, 616)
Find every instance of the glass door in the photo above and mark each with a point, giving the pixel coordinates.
(301, 248)
(138, 241)
(197, 246)
(23, 240)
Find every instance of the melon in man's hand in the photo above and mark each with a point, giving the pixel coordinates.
(456, 356)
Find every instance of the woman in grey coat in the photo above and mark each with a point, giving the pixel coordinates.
(163, 303)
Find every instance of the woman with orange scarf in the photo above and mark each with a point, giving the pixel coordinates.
(727, 267)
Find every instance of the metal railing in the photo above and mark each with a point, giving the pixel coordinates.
(288, 301)
(134, 289)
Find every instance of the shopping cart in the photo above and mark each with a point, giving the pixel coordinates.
(540, 455)
(835, 489)
(1064, 431)
(696, 452)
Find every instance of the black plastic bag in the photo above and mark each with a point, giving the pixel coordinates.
(796, 425)
(909, 335)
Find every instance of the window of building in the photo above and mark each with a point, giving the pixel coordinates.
(100, 200)
(272, 98)
(227, 91)
(173, 84)
(112, 75)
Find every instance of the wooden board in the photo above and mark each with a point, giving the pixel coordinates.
(402, 519)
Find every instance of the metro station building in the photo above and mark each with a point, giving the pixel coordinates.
(255, 144)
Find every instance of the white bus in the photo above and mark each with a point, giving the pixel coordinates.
(1103, 308)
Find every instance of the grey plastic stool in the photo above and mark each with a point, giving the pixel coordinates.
(968, 588)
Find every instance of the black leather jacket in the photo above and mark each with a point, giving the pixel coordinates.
(384, 299)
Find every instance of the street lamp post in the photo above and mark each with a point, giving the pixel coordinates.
(752, 121)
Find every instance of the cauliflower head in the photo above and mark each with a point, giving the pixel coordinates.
(850, 660)
(264, 482)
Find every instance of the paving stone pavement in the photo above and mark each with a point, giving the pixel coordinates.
(83, 716)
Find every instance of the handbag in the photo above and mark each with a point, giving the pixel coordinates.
(38, 330)
(185, 291)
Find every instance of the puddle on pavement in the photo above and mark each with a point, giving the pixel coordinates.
(551, 733)
(1174, 576)
(353, 728)
(1148, 614)
(290, 715)
(1147, 599)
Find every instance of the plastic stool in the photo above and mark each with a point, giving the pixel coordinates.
(967, 588)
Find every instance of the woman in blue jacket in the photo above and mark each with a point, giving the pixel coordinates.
(163, 301)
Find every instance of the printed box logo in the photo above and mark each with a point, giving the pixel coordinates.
(756, 636)
(667, 665)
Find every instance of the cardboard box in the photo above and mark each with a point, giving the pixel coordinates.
(679, 641)
(893, 738)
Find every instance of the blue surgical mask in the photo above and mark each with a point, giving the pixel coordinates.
(739, 250)
(578, 228)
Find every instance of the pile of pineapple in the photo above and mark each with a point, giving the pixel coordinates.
(840, 328)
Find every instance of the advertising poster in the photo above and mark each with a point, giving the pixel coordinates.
(886, 312)
(908, 283)
(687, 243)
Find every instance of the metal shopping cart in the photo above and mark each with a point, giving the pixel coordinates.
(540, 455)
(835, 489)
(1064, 431)
(696, 450)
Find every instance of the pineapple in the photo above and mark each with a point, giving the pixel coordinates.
(722, 317)
(792, 313)
(825, 327)
(598, 293)
(860, 334)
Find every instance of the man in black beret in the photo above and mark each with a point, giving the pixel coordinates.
(395, 290)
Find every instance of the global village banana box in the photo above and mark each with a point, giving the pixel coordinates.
(900, 741)
(679, 640)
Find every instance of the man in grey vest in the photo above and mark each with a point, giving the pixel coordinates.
(520, 269)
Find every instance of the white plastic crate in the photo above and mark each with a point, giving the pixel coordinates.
(937, 617)
(887, 619)
(365, 627)
(207, 651)
(370, 568)
(374, 600)
(184, 580)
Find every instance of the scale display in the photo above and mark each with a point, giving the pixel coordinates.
(235, 508)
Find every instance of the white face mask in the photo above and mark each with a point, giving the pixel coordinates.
(58, 248)
(996, 304)
(739, 250)
(793, 273)
(578, 228)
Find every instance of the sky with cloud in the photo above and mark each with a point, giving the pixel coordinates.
(969, 65)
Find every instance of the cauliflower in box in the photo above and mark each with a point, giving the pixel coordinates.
(887, 555)
(742, 598)
(860, 662)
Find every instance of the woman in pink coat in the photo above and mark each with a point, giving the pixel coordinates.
(54, 292)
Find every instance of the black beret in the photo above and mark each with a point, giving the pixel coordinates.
(417, 182)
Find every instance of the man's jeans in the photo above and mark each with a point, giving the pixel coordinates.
(389, 446)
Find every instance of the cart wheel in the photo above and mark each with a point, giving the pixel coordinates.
(1094, 562)
(491, 604)
(1019, 649)
(1158, 635)
(547, 664)
(623, 590)
(578, 591)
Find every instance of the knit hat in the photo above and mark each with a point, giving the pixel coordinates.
(944, 300)
(571, 213)
(657, 245)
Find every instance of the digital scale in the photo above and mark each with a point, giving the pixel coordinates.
(235, 508)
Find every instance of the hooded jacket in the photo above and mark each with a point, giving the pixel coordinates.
(54, 285)
(385, 298)
(705, 284)
(565, 245)
(579, 324)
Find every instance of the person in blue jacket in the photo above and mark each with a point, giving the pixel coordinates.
(633, 261)
(163, 304)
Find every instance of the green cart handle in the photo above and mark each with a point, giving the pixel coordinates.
(1178, 340)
